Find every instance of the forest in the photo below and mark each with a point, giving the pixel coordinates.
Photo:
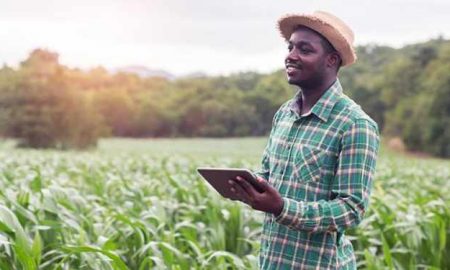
(44, 104)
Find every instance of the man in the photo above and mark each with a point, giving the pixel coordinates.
(318, 166)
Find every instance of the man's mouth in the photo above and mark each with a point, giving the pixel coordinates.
(290, 67)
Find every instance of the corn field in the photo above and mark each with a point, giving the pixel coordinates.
(148, 209)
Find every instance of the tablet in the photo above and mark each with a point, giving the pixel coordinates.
(218, 179)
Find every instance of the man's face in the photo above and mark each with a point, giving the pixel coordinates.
(305, 62)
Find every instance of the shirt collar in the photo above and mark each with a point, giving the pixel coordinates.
(324, 105)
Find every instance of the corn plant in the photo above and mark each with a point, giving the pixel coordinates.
(143, 210)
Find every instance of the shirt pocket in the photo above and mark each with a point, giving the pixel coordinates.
(307, 164)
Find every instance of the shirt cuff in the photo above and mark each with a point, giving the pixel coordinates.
(284, 212)
(291, 213)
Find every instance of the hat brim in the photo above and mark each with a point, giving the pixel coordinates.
(289, 23)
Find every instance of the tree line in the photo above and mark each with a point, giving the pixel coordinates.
(45, 104)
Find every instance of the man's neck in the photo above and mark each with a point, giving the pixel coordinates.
(311, 95)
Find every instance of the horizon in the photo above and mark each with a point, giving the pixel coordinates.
(212, 38)
(170, 75)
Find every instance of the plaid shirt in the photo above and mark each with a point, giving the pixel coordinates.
(322, 163)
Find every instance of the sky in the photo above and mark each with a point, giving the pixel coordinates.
(210, 36)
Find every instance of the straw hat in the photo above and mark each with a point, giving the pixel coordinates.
(331, 27)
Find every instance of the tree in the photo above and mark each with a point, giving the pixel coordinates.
(43, 111)
(118, 110)
(437, 124)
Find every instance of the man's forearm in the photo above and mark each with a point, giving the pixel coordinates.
(340, 213)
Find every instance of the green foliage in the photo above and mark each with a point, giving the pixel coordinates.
(437, 130)
(117, 108)
(408, 224)
(45, 104)
(406, 91)
(417, 94)
(43, 111)
(146, 208)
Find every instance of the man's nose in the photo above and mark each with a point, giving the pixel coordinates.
(292, 55)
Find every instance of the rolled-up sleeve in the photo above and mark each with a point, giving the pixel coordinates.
(351, 186)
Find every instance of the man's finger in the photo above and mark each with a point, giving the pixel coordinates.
(239, 191)
(249, 188)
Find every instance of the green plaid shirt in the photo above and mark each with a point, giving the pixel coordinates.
(322, 163)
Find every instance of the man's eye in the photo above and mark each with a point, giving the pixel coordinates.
(305, 50)
(290, 47)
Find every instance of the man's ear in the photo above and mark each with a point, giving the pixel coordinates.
(333, 60)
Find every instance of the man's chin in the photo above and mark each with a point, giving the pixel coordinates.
(293, 81)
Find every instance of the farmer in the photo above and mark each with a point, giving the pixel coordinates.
(318, 165)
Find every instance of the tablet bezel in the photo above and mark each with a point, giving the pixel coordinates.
(218, 179)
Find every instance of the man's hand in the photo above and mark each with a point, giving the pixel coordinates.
(269, 200)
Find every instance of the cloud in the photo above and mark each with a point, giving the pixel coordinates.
(187, 36)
